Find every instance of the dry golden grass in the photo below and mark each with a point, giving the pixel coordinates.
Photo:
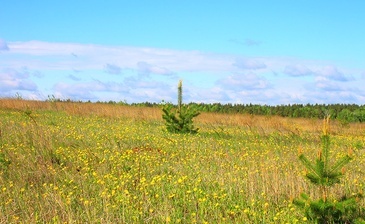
(90, 163)
(264, 123)
(74, 108)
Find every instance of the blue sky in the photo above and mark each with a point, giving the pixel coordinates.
(261, 52)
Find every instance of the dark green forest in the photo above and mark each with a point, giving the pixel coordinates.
(345, 113)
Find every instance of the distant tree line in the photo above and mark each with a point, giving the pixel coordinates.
(345, 113)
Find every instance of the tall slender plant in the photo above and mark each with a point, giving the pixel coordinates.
(179, 120)
(179, 96)
(325, 174)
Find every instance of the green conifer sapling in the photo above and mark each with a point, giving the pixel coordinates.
(181, 119)
(325, 174)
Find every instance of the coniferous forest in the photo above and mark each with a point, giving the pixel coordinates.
(345, 113)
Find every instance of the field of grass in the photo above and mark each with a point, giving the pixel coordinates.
(97, 163)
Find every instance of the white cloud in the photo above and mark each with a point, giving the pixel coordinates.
(146, 69)
(112, 69)
(327, 85)
(78, 91)
(297, 70)
(3, 45)
(59, 56)
(131, 89)
(151, 74)
(341, 96)
(247, 81)
(75, 78)
(211, 95)
(248, 63)
(11, 79)
(333, 73)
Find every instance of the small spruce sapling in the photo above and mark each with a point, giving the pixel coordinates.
(325, 174)
(179, 120)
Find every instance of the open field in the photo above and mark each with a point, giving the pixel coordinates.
(97, 163)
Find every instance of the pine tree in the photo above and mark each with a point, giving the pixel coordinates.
(181, 119)
(323, 174)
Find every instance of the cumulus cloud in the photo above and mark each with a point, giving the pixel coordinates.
(38, 74)
(56, 56)
(13, 80)
(332, 73)
(78, 91)
(40, 48)
(248, 81)
(247, 63)
(74, 78)
(131, 89)
(345, 95)
(326, 84)
(3, 45)
(297, 70)
(226, 77)
(204, 95)
(146, 69)
(112, 69)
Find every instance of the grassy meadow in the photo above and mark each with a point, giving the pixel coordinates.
(64, 162)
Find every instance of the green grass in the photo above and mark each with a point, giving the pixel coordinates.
(60, 167)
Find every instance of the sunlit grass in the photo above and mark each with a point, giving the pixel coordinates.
(92, 163)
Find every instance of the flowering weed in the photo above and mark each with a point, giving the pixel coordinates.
(88, 163)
